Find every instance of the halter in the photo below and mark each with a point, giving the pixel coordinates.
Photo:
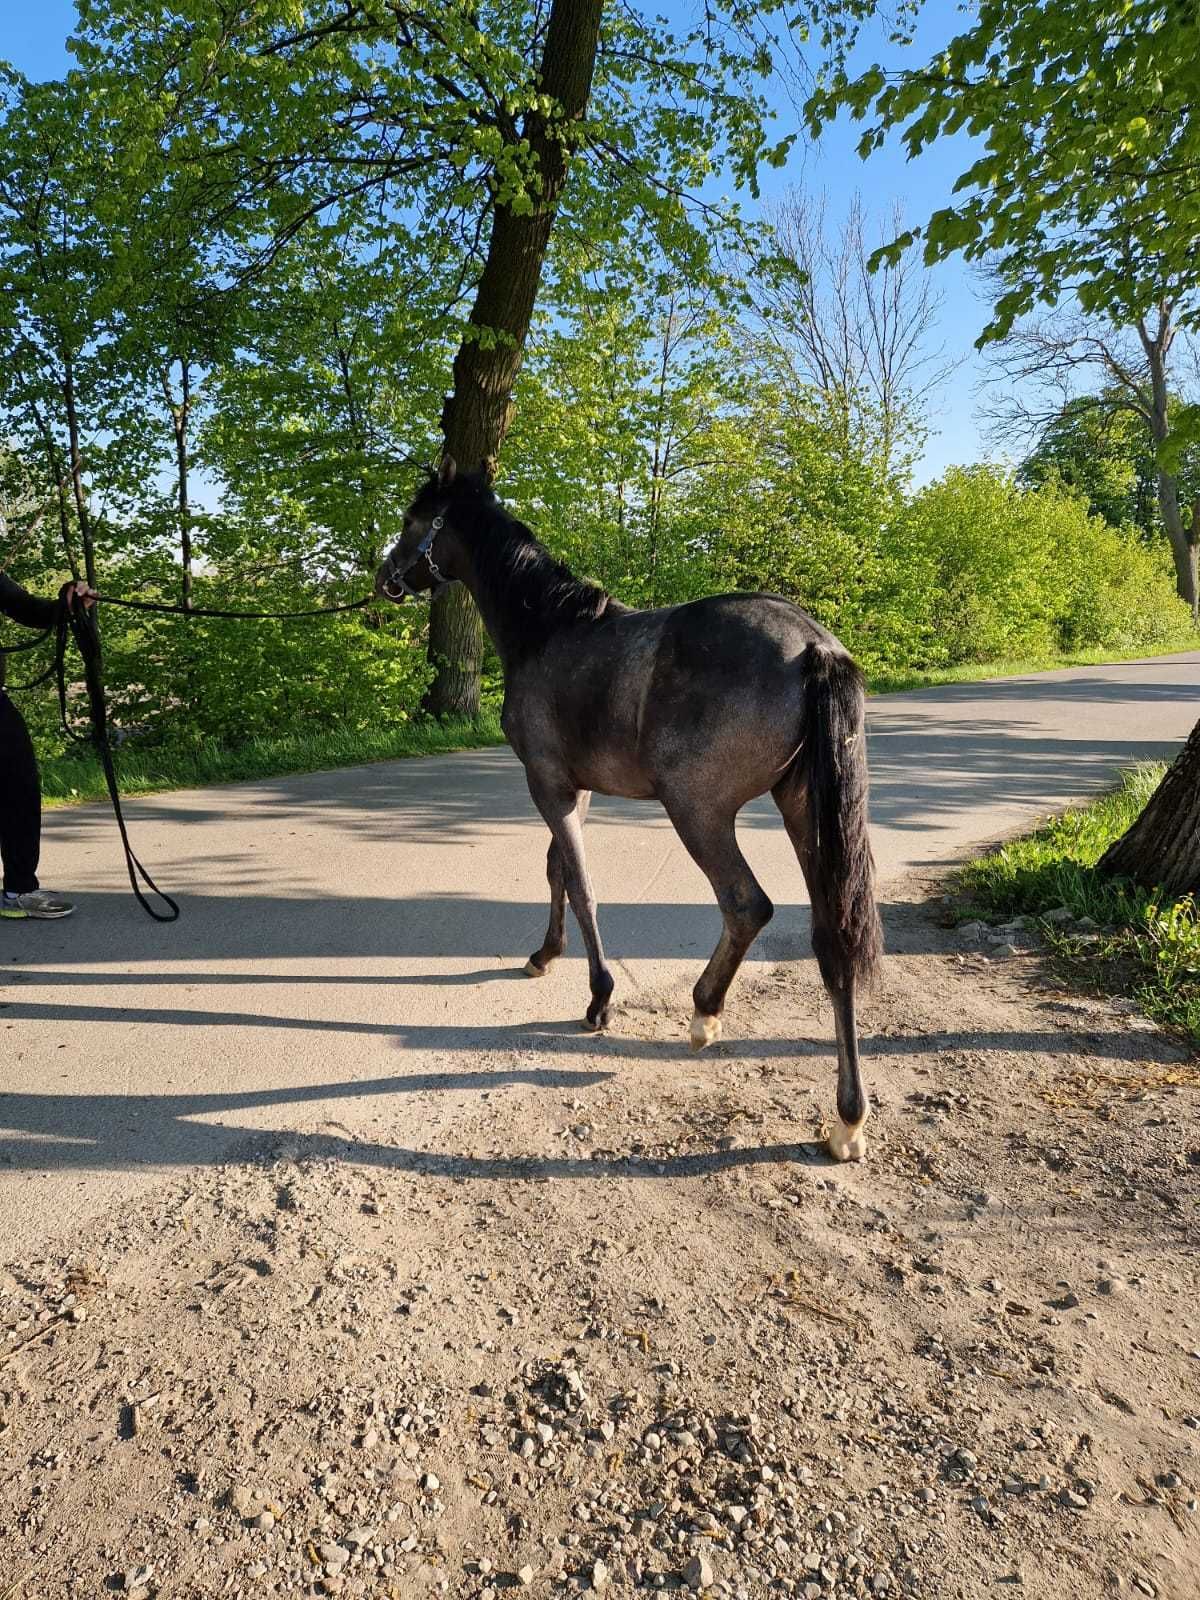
(396, 585)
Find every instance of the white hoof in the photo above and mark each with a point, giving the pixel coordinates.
(847, 1144)
(532, 970)
(704, 1030)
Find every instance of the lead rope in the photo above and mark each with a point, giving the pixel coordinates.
(80, 624)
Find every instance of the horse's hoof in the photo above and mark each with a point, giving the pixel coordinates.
(847, 1144)
(595, 1022)
(704, 1030)
(532, 970)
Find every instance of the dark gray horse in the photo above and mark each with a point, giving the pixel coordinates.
(700, 706)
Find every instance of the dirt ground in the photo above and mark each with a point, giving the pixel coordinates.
(658, 1341)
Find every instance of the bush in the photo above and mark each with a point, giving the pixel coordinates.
(979, 569)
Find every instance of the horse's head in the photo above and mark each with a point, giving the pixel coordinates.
(411, 566)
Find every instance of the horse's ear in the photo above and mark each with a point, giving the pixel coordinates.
(446, 472)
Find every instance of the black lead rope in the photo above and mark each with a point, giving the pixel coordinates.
(201, 611)
(79, 623)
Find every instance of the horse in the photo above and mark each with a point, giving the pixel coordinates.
(701, 706)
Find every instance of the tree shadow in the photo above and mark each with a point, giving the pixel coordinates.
(101, 1132)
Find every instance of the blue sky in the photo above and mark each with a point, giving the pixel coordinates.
(34, 40)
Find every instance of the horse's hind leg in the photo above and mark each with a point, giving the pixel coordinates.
(555, 941)
(711, 841)
(847, 1142)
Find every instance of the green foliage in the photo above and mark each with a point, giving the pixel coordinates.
(1150, 947)
(77, 776)
(981, 569)
(235, 248)
(1105, 454)
(1102, 449)
(1089, 118)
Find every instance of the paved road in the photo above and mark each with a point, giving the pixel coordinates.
(351, 935)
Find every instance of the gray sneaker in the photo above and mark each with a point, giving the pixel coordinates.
(37, 903)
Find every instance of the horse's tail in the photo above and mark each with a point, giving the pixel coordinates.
(831, 767)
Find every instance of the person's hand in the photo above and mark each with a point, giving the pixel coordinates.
(81, 592)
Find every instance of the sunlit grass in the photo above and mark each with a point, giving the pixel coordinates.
(70, 779)
(1150, 944)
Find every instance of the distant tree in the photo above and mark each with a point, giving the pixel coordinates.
(1100, 448)
(860, 338)
(1038, 368)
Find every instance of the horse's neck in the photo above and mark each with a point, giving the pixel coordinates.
(506, 627)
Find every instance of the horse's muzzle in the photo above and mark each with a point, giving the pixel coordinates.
(386, 583)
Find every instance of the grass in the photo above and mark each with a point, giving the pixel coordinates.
(886, 680)
(71, 779)
(1148, 946)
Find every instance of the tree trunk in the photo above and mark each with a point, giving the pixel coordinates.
(1183, 550)
(82, 512)
(180, 416)
(1162, 848)
(1183, 547)
(477, 414)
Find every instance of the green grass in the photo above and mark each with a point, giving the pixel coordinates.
(886, 680)
(71, 779)
(1149, 946)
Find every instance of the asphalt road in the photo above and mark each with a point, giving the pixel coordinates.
(353, 935)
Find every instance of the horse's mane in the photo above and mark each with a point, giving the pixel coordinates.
(538, 592)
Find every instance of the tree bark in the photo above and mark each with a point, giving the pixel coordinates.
(180, 417)
(82, 512)
(1162, 848)
(479, 410)
(1183, 549)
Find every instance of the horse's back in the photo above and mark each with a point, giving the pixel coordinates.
(712, 688)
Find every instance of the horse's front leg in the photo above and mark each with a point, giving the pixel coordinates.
(555, 941)
(564, 809)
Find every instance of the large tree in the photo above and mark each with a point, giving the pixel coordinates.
(486, 129)
(1087, 190)
(1047, 359)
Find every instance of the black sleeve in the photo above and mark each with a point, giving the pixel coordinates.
(27, 609)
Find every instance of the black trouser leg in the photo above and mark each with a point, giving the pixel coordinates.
(20, 802)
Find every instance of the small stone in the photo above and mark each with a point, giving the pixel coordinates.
(525, 1576)
(698, 1574)
(431, 1482)
(1076, 1502)
(599, 1576)
(265, 1521)
(1110, 1286)
(1058, 915)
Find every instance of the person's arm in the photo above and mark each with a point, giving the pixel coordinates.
(31, 611)
(27, 609)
